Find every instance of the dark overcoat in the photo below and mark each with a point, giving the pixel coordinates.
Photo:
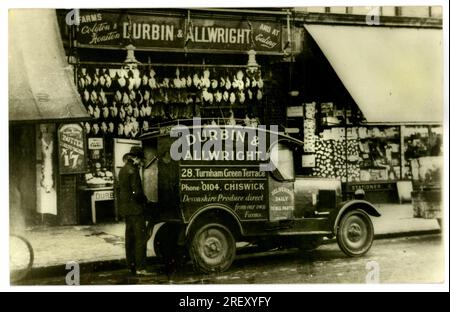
(131, 194)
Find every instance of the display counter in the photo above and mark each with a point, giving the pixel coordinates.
(93, 195)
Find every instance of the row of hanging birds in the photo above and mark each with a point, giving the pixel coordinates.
(125, 102)
(121, 79)
(121, 112)
(115, 88)
(132, 127)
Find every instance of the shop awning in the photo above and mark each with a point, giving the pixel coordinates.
(41, 86)
(395, 75)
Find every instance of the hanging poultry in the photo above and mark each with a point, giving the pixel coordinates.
(152, 81)
(103, 127)
(113, 110)
(205, 81)
(87, 127)
(111, 128)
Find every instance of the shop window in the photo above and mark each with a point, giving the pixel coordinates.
(358, 154)
(380, 153)
(420, 142)
(283, 159)
(127, 103)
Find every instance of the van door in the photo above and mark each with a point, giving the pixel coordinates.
(281, 184)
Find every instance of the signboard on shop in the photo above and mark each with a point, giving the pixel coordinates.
(95, 143)
(101, 29)
(103, 195)
(294, 111)
(71, 149)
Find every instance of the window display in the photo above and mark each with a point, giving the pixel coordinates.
(99, 172)
(380, 153)
(420, 141)
(125, 103)
(358, 154)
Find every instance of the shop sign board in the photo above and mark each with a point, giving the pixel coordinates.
(294, 111)
(104, 195)
(101, 29)
(308, 161)
(95, 143)
(71, 149)
(372, 186)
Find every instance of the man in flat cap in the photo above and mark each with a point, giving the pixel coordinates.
(132, 201)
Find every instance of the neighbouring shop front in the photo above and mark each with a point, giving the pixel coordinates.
(369, 107)
(46, 137)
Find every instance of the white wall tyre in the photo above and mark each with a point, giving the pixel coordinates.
(355, 233)
(212, 248)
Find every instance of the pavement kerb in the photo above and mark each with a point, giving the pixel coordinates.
(115, 264)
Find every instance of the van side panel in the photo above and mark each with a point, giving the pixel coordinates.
(240, 187)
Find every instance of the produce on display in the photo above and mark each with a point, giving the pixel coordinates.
(122, 101)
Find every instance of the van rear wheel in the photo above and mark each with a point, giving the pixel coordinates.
(212, 248)
(355, 233)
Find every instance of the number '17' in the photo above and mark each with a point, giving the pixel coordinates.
(69, 158)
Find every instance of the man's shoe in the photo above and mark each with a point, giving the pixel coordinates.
(144, 273)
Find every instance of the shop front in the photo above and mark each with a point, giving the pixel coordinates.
(349, 92)
(140, 69)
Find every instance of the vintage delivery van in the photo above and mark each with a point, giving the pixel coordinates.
(220, 184)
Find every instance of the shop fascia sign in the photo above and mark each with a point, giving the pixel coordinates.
(98, 29)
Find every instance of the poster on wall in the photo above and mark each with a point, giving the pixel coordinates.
(71, 149)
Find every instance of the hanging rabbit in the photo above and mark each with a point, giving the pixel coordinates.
(47, 165)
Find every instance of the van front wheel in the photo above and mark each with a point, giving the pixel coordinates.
(212, 248)
(355, 233)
